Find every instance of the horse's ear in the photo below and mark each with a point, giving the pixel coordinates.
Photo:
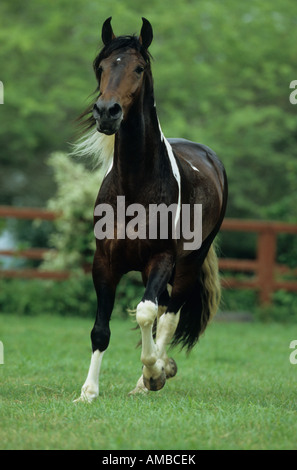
(146, 33)
(107, 32)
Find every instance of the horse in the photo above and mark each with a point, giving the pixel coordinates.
(144, 170)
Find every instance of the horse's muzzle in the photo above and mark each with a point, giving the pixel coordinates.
(108, 116)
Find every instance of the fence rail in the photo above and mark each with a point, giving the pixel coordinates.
(264, 266)
(266, 272)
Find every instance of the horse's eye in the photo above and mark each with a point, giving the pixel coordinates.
(99, 73)
(139, 69)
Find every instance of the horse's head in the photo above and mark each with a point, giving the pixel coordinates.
(120, 69)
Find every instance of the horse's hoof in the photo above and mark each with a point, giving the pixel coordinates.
(89, 393)
(155, 384)
(171, 368)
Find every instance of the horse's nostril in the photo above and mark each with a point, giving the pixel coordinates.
(96, 111)
(115, 110)
(107, 111)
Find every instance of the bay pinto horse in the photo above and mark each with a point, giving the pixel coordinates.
(148, 169)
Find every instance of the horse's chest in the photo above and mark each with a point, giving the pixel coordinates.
(126, 254)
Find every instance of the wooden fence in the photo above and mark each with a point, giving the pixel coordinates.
(266, 273)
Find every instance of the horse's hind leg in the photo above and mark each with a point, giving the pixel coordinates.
(163, 303)
(166, 328)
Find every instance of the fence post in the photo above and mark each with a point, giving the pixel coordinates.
(266, 253)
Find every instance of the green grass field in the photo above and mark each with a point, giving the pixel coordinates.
(237, 389)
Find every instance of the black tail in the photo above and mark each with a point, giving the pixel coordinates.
(201, 305)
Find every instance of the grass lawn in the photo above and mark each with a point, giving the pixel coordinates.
(237, 389)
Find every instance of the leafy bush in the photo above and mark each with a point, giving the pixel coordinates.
(77, 188)
(72, 297)
(75, 296)
(239, 300)
(283, 308)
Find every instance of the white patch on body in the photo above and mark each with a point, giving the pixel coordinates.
(175, 172)
(191, 165)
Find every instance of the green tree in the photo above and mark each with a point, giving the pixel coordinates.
(222, 71)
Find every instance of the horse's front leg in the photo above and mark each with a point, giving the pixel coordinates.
(154, 373)
(105, 287)
(154, 376)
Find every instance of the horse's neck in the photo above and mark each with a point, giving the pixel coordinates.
(138, 149)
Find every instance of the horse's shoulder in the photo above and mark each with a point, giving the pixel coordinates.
(198, 155)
